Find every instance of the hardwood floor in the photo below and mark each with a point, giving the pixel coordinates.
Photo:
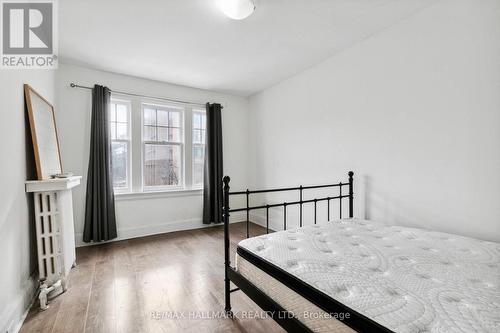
(144, 285)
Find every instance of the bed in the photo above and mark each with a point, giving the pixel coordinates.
(355, 275)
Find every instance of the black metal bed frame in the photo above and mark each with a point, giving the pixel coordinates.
(283, 317)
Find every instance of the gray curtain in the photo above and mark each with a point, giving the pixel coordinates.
(100, 223)
(212, 180)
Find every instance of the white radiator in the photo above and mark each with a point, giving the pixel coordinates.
(54, 233)
(48, 232)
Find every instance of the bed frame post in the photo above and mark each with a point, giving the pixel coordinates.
(227, 262)
(351, 194)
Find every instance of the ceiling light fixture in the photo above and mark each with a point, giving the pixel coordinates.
(236, 9)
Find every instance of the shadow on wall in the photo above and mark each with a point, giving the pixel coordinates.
(381, 204)
(367, 181)
(30, 175)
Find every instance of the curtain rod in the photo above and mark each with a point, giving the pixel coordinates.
(73, 85)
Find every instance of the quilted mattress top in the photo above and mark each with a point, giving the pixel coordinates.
(406, 279)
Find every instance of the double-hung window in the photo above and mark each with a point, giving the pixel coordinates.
(163, 147)
(119, 121)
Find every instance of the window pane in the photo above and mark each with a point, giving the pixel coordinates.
(196, 120)
(196, 136)
(199, 134)
(199, 125)
(149, 117)
(119, 162)
(174, 119)
(162, 134)
(203, 120)
(112, 112)
(174, 134)
(198, 162)
(162, 117)
(121, 131)
(149, 133)
(162, 165)
(203, 136)
(121, 113)
(112, 131)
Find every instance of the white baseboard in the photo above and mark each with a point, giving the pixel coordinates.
(14, 313)
(156, 229)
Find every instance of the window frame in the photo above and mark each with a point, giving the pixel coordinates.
(128, 103)
(182, 144)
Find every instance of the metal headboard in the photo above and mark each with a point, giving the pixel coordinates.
(300, 202)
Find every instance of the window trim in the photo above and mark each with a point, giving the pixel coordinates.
(128, 142)
(182, 144)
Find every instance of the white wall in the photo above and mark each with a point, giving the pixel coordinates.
(139, 216)
(17, 245)
(414, 111)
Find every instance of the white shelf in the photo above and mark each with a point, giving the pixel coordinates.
(55, 184)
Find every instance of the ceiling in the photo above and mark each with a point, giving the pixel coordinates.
(189, 42)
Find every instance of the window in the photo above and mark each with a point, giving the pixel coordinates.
(156, 146)
(162, 147)
(199, 130)
(119, 119)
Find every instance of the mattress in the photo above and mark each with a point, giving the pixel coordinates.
(405, 279)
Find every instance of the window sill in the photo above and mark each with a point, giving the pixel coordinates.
(158, 194)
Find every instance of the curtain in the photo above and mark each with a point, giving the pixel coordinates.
(213, 172)
(100, 222)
